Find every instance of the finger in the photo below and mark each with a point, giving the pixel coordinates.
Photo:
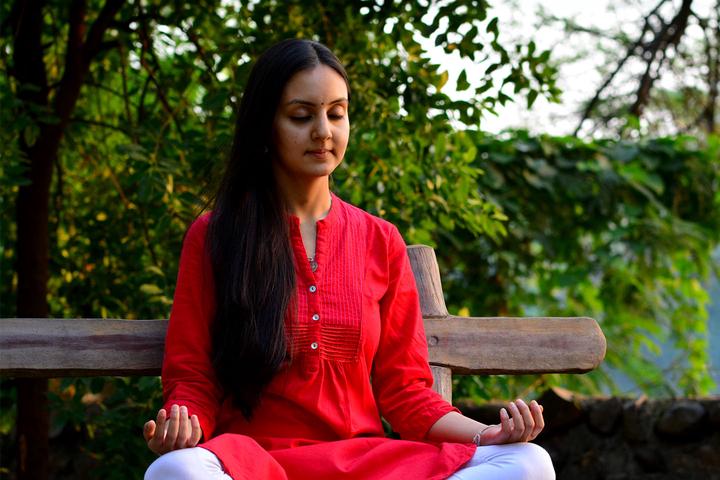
(506, 423)
(173, 425)
(155, 443)
(166, 423)
(196, 434)
(518, 423)
(148, 430)
(528, 420)
(537, 410)
(183, 428)
(161, 422)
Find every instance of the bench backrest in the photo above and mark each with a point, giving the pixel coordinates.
(49, 347)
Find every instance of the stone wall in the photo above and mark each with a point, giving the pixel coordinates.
(623, 439)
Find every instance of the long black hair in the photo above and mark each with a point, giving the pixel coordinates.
(248, 235)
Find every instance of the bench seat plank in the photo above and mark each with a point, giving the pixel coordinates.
(53, 347)
(46, 347)
(507, 345)
(59, 347)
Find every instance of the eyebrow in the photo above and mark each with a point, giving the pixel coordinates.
(298, 101)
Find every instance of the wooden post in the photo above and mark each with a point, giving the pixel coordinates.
(442, 384)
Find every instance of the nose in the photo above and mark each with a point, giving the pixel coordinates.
(321, 128)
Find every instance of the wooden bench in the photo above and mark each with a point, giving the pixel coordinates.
(49, 347)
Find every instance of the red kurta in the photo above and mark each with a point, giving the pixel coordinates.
(358, 317)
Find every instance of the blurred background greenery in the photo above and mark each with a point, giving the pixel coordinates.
(130, 107)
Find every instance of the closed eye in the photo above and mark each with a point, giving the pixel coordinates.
(308, 117)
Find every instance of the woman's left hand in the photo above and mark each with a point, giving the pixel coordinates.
(522, 424)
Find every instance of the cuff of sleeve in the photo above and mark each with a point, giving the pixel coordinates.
(207, 424)
(425, 419)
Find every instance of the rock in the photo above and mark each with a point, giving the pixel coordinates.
(681, 419)
(713, 409)
(614, 461)
(708, 455)
(560, 408)
(650, 459)
(636, 449)
(637, 421)
(603, 415)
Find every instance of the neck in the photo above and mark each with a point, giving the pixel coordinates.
(308, 200)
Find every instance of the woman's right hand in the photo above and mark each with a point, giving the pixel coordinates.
(173, 433)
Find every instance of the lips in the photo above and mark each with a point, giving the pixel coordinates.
(320, 153)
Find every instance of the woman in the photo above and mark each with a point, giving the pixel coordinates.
(289, 301)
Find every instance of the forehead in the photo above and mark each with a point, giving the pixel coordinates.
(320, 84)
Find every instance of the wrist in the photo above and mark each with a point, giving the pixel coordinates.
(477, 439)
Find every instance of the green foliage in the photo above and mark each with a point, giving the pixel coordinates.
(106, 416)
(152, 127)
(619, 231)
(627, 240)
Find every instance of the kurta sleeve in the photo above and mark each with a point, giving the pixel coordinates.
(188, 376)
(402, 379)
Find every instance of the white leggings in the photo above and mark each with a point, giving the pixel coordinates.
(515, 461)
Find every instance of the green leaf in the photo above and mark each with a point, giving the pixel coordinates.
(462, 83)
(532, 95)
(150, 289)
(442, 80)
(492, 27)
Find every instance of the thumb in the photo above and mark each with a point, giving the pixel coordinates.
(149, 430)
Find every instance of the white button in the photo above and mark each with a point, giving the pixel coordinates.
(316, 317)
(314, 345)
(313, 288)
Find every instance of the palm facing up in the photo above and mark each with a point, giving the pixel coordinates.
(172, 432)
(522, 424)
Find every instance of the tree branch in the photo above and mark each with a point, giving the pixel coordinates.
(80, 53)
(94, 42)
(571, 26)
(713, 77)
(667, 38)
(630, 52)
(125, 25)
(141, 103)
(125, 96)
(117, 128)
(105, 88)
(147, 46)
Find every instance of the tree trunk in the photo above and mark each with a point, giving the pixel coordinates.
(32, 202)
(31, 210)
(33, 271)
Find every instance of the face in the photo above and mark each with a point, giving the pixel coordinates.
(311, 126)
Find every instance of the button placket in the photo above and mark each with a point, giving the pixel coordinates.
(313, 309)
(313, 297)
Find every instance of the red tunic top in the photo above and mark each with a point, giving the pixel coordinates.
(358, 317)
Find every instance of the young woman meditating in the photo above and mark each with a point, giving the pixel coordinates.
(296, 323)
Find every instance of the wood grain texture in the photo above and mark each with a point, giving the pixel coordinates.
(55, 347)
(497, 345)
(45, 347)
(442, 381)
(427, 278)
